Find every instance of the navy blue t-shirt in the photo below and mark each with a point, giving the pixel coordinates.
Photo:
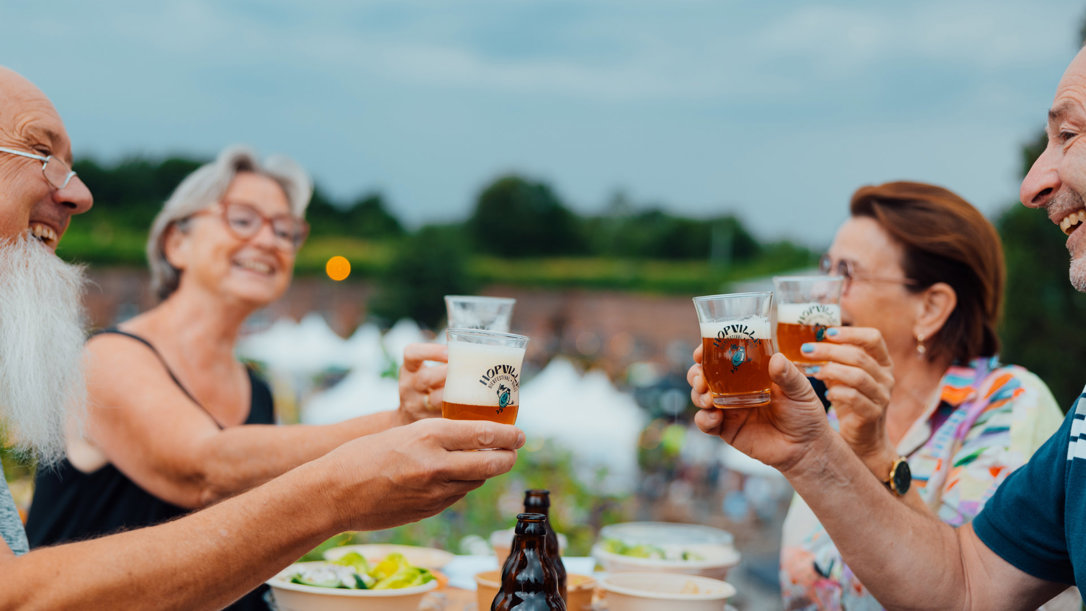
(1037, 519)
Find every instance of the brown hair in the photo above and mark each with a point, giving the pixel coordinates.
(945, 239)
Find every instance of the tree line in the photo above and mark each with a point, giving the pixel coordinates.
(513, 216)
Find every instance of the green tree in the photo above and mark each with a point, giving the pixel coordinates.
(367, 217)
(654, 233)
(427, 266)
(130, 192)
(516, 217)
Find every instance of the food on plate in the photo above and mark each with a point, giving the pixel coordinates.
(645, 550)
(352, 571)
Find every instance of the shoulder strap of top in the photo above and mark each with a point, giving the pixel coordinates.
(116, 331)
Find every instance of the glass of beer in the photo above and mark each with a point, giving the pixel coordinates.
(736, 341)
(483, 381)
(806, 307)
(475, 312)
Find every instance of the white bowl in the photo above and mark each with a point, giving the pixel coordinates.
(714, 553)
(664, 592)
(297, 597)
(425, 557)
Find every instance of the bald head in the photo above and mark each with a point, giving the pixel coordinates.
(25, 108)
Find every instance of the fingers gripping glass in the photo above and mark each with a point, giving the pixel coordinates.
(57, 173)
(847, 269)
(245, 221)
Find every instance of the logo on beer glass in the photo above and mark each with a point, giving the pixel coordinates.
(735, 352)
(820, 316)
(506, 379)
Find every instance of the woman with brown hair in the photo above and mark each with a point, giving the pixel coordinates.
(912, 376)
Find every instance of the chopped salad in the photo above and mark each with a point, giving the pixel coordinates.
(646, 550)
(353, 572)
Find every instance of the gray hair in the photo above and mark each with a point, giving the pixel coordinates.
(205, 187)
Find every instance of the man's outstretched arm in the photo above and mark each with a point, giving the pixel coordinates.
(208, 559)
(906, 558)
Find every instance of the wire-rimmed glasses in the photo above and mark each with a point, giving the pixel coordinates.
(847, 269)
(57, 173)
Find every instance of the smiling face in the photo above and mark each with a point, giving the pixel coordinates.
(211, 257)
(29, 123)
(41, 333)
(1057, 180)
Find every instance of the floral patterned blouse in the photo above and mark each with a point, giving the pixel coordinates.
(988, 422)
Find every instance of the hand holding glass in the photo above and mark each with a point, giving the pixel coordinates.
(737, 342)
(483, 380)
(806, 307)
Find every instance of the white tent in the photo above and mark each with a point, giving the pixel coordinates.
(587, 415)
(305, 348)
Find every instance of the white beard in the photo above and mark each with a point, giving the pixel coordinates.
(1077, 273)
(41, 347)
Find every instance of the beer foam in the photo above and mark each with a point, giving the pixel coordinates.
(754, 327)
(477, 373)
(828, 314)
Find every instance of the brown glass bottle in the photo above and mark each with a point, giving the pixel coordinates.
(528, 583)
(539, 501)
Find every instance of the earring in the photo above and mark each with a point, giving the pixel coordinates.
(920, 348)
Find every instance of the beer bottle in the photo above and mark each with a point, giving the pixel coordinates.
(528, 584)
(539, 501)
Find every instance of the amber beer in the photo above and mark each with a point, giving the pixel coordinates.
(483, 381)
(737, 342)
(800, 323)
(806, 307)
(735, 358)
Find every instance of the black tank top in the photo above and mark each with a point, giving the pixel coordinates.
(70, 505)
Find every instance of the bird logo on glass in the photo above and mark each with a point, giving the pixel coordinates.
(505, 396)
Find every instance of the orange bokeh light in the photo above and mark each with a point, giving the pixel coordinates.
(338, 268)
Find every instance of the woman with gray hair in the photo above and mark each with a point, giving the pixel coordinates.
(175, 421)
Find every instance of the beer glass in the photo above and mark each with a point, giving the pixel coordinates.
(483, 380)
(473, 312)
(806, 307)
(737, 342)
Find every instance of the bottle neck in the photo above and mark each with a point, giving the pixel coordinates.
(537, 501)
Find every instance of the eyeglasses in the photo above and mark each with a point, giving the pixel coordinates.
(847, 269)
(245, 221)
(57, 173)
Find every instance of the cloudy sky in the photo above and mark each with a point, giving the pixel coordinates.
(775, 111)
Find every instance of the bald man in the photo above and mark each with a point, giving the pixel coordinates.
(209, 558)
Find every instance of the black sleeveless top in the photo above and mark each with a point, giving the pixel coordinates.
(70, 505)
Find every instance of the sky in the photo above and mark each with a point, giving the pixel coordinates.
(772, 111)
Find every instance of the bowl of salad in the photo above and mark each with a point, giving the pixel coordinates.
(665, 547)
(352, 583)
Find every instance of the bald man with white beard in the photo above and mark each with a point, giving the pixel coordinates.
(378, 481)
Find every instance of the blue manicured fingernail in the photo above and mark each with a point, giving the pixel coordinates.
(813, 369)
(831, 332)
(808, 348)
